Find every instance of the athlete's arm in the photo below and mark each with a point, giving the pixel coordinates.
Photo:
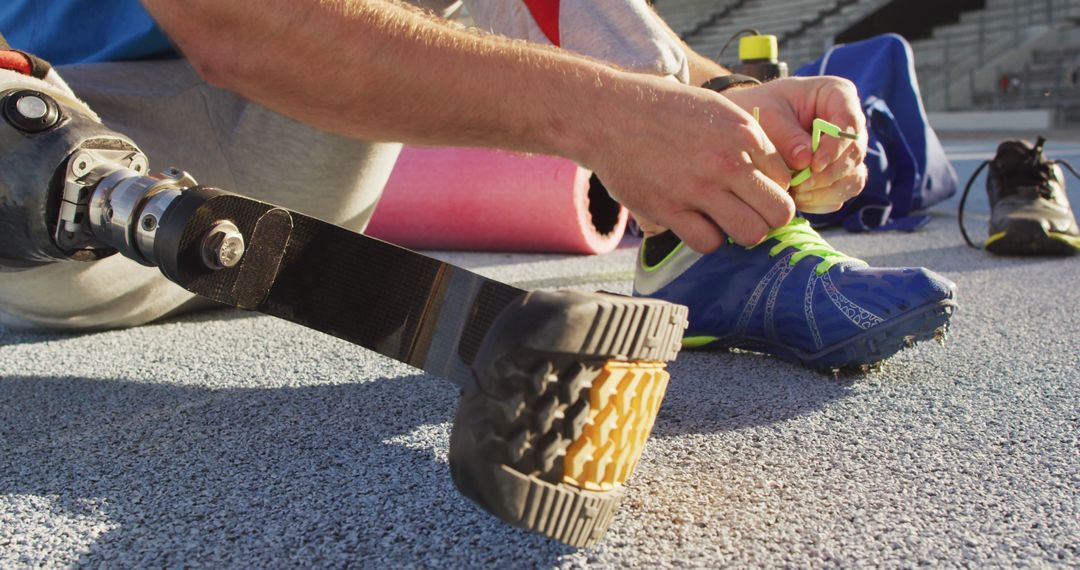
(685, 157)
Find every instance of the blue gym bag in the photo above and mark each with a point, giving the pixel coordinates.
(908, 170)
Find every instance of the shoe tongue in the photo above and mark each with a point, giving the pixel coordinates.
(1016, 162)
(659, 246)
(1009, 153)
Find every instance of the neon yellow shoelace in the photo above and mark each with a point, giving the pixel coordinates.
(801, 236)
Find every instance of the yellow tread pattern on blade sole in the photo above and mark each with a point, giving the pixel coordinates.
(623, 403)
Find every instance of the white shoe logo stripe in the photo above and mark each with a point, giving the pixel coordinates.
(808, 310)
(781, 267)
(774, 293)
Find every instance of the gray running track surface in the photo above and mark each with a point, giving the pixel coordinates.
(231, 440)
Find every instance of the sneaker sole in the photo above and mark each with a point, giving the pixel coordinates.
(566, 389)
(862, 350)
(1029, 237)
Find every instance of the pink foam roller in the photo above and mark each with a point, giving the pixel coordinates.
(480, 199)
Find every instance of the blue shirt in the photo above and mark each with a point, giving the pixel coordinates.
(81, 31)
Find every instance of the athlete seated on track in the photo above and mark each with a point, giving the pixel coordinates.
(292, 102)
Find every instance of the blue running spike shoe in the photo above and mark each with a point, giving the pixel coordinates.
(795, 297)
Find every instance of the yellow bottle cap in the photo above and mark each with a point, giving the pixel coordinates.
(759, 47)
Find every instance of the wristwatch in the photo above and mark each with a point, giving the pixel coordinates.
(723, 82)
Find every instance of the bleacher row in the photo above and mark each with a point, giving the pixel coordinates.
(1049, 79)
(805, 27)
(1033, 43)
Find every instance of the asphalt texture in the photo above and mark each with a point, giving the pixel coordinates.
(230, 440)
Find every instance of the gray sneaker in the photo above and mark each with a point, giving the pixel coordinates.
(1030, 213)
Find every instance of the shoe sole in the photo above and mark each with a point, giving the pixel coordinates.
(862, 350)
(566, 389)
(1029, 237)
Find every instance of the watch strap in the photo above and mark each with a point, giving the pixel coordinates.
(723, 82)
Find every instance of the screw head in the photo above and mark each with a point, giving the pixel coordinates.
(81, 164)
(149, 223)
(231, 250)
(30, 111)
(139, 163)
(223, 247)
(32, 107)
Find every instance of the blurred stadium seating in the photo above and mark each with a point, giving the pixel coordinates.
(969, 55)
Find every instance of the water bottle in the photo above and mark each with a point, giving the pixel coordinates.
(759, 57)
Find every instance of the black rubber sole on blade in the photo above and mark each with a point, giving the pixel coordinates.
(566, 389)
(560, 390)
(1028, 237)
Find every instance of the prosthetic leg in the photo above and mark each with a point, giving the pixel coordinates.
(559, 389)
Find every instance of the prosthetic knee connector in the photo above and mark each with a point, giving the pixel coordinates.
(72, 189)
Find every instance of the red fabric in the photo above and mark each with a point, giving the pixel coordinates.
(15, 61)
(546, 15)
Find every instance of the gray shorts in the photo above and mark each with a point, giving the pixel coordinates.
(225, 141)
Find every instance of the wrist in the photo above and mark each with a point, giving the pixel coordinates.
(581, 122)
(727, 81)
(702, 68)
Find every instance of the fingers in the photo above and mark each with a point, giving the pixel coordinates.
(700, 233)
(715, 173)
(745, 208)
(760, 179)
(743, 193)
(847, 165)
(720, 212)
(827, 209)
(741, 221)
(647, 225)
(792, 141)
(825, 199)
(838, 103)
(771, 202)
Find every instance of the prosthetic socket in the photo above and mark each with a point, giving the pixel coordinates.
(71, 189)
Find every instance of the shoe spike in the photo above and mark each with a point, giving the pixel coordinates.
(872, 367)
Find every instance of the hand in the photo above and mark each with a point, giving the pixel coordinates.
(788, 107)
(689, 160)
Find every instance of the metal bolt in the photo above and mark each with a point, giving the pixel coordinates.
(30, 111)
(138, 163)
(32, 106)
(80, 165)
(149, 223)
(223, 246)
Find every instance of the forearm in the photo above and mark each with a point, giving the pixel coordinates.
(686, 158)
(391, 73)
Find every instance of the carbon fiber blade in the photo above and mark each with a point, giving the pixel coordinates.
(399, 303)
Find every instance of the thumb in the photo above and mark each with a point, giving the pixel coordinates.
(792, 142)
